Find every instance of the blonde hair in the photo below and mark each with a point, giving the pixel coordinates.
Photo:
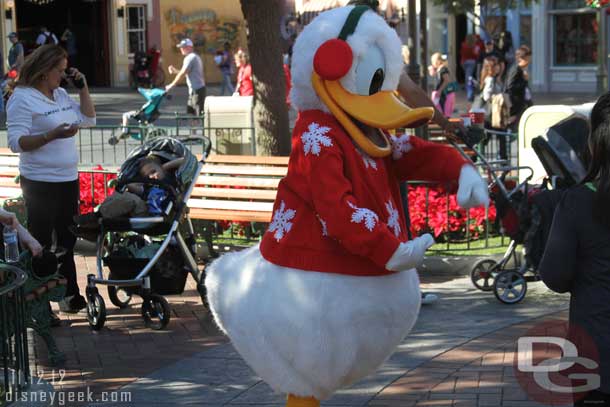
(488, 70)
(38, 63)
(437, 56)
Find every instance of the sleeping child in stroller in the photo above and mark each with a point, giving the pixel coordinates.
(142, 198)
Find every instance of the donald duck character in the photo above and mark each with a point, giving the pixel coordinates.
(332, 288)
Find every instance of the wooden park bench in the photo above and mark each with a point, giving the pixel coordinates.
(235, 188)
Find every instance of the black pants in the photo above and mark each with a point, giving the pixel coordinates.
(50, 208)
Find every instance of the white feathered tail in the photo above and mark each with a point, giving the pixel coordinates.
(309, 333)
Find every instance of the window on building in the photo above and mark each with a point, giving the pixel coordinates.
(136, 28)
(575, 34)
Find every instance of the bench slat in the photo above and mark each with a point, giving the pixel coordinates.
(238, 181)
(9, 171)
(231, 205)
(245, 170)
(6, 192)
(211, 214)
(258, 194)
(246, 159)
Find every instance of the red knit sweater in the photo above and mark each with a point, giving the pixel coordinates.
(339, 210)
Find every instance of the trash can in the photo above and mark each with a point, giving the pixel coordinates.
(229, 124)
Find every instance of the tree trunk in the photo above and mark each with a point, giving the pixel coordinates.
(265, 49)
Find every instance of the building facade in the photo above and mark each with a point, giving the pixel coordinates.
(107, 33)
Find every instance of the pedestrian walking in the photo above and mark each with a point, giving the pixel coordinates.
(16, 54)
(443, 95)
(223, 61)
(469, 53)
(192, 69)
(46, 37)
(42, 120)
(517, 87)
(68, 41)
(244, 86)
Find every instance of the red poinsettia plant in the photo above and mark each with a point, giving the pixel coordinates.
(432, 210)
(92, 195)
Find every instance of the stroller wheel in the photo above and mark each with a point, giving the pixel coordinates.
(119, 296)
(96, 311)
(483, 274)
(156, 312)
(510, 287)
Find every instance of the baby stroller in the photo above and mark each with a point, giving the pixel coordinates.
(526, 211)
(145, 116)
(149, 256)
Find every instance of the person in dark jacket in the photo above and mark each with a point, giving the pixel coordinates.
(517, 86)
(577, 254)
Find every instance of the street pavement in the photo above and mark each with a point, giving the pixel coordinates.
(459, 353)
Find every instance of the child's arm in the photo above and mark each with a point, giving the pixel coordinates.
(173, 164)
(136, 188)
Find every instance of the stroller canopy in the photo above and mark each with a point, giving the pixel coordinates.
(167, 149)
(153, 100)
(563, 149)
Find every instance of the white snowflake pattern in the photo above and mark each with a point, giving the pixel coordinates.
(314, 137)
(324, 228)
(393, 219)
(400, 145)
(365, 215)
(368, 161)
(280, 224)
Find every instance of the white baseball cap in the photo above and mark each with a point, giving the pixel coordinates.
(186, 42)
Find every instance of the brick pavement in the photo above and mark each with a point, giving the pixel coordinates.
(124, 349)
(472, 372)
(478, 373)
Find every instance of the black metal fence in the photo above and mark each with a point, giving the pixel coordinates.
(13, 334)
(95, 146)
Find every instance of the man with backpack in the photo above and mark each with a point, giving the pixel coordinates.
(46, 37)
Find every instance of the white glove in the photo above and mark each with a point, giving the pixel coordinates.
(410, 255)
(472, 190)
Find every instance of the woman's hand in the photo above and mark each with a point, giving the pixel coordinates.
(64, 130)
(77, 78)
(9, 219)
(27, 240)
(31, 244)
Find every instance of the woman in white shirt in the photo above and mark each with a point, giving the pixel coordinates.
(42, 120)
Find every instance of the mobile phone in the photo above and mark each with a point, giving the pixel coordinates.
(71, 74)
